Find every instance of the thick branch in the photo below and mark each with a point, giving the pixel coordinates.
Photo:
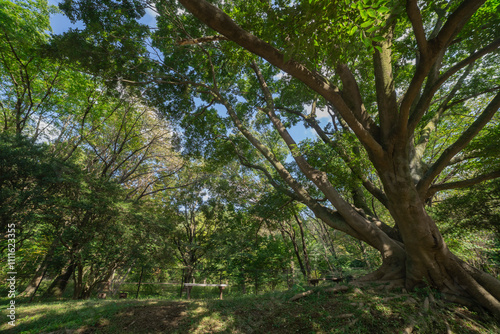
(433, 122)
(458, 159)
(454, 24)
(353, 166)
(435, 48)
(425, 100)
(356, 221)
(219, 21)
(462, 184)
(454, 103)
(352, 95)
(384, 86)
(458, 145)
(418, 27)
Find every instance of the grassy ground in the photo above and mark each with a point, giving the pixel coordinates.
(366, 310)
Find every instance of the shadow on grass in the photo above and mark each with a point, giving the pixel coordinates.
(322, 312)
(55, 316)
(354, 311)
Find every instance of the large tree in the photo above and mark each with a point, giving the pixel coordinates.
(448, 41)
(411, 89)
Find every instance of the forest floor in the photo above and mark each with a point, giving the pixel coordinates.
(354, 310)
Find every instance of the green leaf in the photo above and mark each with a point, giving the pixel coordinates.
(378, 39)
(372, 12)
(383, 10)
(366, 24)
(364, 14)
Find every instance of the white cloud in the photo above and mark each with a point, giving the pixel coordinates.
(280, 75)
(321, 113)
(181, 11)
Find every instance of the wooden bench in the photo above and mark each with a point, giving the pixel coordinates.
(190, 285)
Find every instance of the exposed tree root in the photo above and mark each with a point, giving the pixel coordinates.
(458, 281)
(490, 283)
(457, 299)
(474, 289)
(387, 285)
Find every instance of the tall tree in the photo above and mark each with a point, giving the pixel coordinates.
(393, 131)
(391, 77)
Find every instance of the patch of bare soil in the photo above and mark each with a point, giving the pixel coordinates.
(164, 318)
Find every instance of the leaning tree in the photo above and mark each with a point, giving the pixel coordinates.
(411, 87)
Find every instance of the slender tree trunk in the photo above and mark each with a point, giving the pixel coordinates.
(106, 288)
(182, 284)
(304, 247)
(139, 285)
(296, 250)
(363, 252)
(117, 284)
(39, 282)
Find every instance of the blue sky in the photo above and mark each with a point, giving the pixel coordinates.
(61, 23)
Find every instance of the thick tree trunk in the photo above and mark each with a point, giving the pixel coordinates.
(422, 257)
(78, 278)
(58, 286)
(428, 259)
(33, 285)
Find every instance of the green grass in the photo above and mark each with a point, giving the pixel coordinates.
(355, 311)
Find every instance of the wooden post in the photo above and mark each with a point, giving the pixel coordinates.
(220, 289)
(188, 292)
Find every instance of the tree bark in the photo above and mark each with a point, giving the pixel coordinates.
(58, 286)
(139, 285)
(428, 259)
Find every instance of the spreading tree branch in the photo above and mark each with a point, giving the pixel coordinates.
(443, 161)
(463, 183)
(426, 98)
(222, 23)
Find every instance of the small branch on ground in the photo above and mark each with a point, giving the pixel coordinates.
(301, 295)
